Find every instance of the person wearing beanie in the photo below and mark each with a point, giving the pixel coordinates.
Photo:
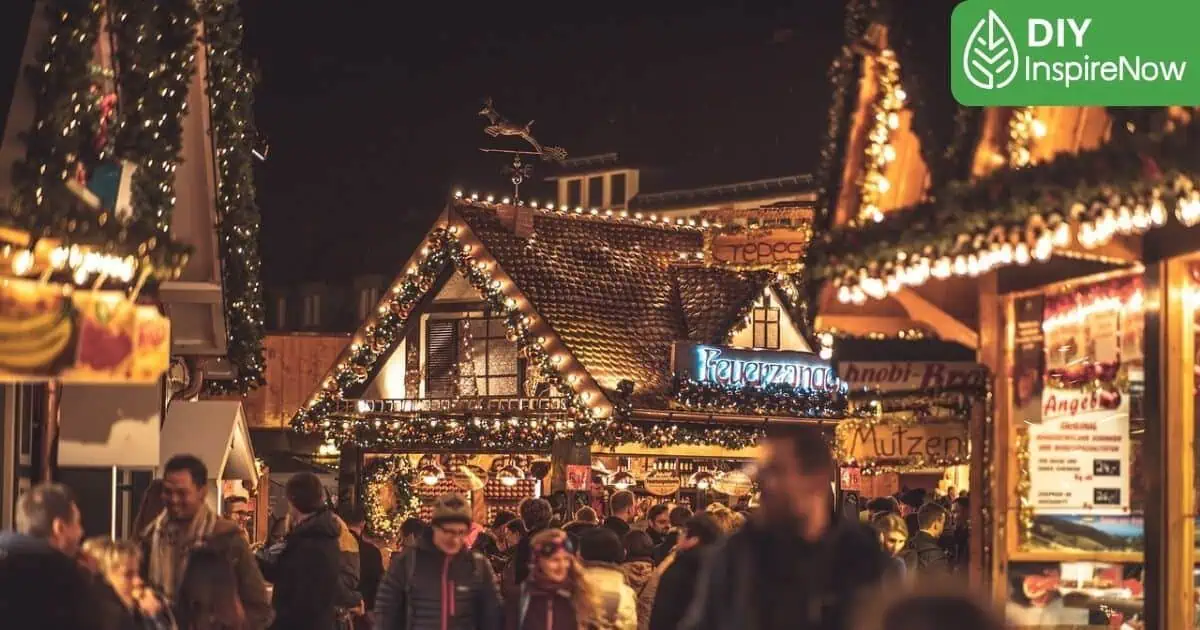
(439, 583)
(307, 569)
(602, 552)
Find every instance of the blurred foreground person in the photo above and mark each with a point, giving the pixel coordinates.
(128, 598)
(440, 584)
(42, 587)
(602, 553)
(934, 605)
(794, 565)
(207, 598)
(557, 594)
(673, 585)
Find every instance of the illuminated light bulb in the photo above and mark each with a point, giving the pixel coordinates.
(595, 211)
(1039, 128)
(1005, 254)
(844, 296)
(942, 268)
(1124, 220)
(557, 359)
(363, 406)
(882, 184)
(960, 265)
(858, 296)
(22, 262)
(893, 284)
(550, 206)
(458, 194)
(59, 257)
(506, 201)
(578, 209)
(510, 303)
(973, 265)
(533, 204)
(474, 196)
(541, 340)
(874, 287)
(1158, 213)
(491, 198)
(826, 353)
(900, 94)
(1141, 218)
(889, 153)
(1043, 248)
(893, 120)
(1021, 254)
(1062, 235)
(1188, 210)
(636, 215)
(81, 275)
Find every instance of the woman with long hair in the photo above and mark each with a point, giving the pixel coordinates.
(207, 598)
(556, 595)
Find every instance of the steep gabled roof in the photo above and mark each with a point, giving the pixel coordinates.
(614, 292)
(604, 296)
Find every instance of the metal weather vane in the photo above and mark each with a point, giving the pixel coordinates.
(519, 170)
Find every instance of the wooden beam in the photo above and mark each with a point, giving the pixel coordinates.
(864, 325)
(1178, 434)
(994, 321)
(947, 326)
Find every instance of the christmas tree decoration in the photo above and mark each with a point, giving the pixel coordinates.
(231, 94)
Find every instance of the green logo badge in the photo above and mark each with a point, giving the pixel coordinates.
(1075, 52)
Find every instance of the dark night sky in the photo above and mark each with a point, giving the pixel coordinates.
(370, 106)
(371, 113)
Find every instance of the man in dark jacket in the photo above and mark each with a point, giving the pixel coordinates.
(42, 587)
(658, 522)
(677, 585)
(679, 516)
(370, 559)
(440, 584)
(793, 565)
(307, 572)
(924, 552)
(535, 513)
(620, 513)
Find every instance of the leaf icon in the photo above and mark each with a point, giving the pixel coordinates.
(990, 56)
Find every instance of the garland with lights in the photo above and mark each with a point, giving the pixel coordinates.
(1014, 216)
(885, 118)
(397, 473)
(155, 55)
(775, 399)
(429, 433)
(231, 95)
(69, 138)
(1024, 129)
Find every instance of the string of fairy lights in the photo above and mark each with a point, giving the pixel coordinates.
(1024, 130)
(231, 95)
(884, 120)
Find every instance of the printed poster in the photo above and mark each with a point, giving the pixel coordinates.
(1079, 453)
(1028, 358)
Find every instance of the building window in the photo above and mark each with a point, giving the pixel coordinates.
(312, 311)
(595, 192)
(280, 313)
(470, 357)
(618, 189)
(367, 299)
(574, 193)
(765, 320)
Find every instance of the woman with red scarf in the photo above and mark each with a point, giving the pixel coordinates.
(556, 595)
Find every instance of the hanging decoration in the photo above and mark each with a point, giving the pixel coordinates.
(1126, 186)
(72, 133)
(776, 399)
(384, 518)
(1024, 130)
(230, 91)
(885, 119)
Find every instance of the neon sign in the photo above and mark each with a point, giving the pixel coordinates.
(723, 365)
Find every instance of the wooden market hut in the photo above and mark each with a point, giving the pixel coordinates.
(949, 220)
(511, 327)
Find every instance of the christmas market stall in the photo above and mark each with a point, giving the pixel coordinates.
(539, 349)
(123, 155)
(1072, 230)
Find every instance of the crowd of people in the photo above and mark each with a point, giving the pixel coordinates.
(792, 563)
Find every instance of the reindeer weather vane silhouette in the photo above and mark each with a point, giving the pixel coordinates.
(519, 170)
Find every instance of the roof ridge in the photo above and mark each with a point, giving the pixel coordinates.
(608, 215)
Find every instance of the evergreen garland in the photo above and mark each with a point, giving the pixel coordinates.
(231, 94)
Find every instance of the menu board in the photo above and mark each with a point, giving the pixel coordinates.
(1079, 442)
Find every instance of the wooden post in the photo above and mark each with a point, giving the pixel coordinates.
(48, 451)
(349, 474)
(992, 476)
(1168, 447)
(564, 452)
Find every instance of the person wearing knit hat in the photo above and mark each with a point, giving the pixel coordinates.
(414, 594)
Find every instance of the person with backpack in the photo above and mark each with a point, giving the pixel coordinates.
(439, 583)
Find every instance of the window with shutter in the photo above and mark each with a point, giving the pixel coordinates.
(441, 357)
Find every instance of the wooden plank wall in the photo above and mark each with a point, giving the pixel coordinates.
(296, 363)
